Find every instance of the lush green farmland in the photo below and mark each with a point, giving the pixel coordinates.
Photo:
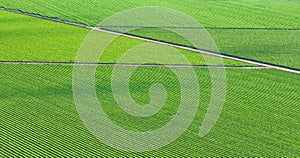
(46, 41)
(261, 114)
(38, 116)
(223, 13)
(26, 38)
(272, 46)
(281, 47)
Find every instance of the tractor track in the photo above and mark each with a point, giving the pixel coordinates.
(127, 65)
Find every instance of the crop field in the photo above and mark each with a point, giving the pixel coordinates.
(38, 111)
(280, 47)
(223, 14)
(38, 115)
(63, 44)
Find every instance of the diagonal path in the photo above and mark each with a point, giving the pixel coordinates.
(201, 51)
(207, 52)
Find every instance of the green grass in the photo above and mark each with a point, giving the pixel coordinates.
(38, 115)
(47, 41)
(276, 47)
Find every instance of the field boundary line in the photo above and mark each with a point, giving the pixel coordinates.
(127, 64)
(201, 51)
(207, 28)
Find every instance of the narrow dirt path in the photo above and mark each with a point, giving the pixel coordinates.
(260, 64)
(127, 64)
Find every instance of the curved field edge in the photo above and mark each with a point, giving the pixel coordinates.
(38, 116)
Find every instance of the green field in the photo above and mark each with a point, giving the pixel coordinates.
(46, 41)
(39, 116)
(261, 113)
(280, 47)
(219, 13)
(276, 47)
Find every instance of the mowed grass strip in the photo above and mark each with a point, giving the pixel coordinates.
(38, 115)
(25, 38)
